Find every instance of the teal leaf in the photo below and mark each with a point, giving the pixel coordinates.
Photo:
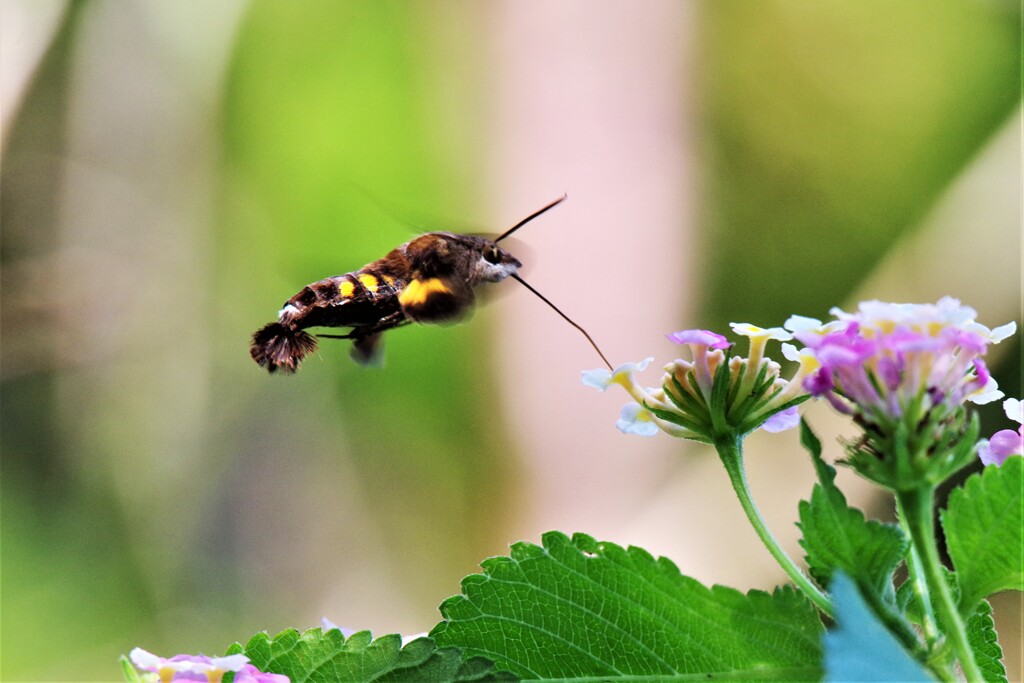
(983, 524)
(838, 537)
(576, 608)
(319, 657)
(860, 648)
(981, 634)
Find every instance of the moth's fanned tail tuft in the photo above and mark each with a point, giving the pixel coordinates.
(281, 347)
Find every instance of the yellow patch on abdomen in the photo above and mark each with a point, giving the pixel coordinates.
(345, 289)
(369, 281)
(418, 291)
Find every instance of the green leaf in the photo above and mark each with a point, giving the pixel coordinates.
(578, 608)
(812, 444)
(317, 657)
(837, 536)
(981, 633)
(860, 648)
(983, 532)
(131, 674)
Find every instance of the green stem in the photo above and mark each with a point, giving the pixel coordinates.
(915, 571)
(730, 450)
(917, 506)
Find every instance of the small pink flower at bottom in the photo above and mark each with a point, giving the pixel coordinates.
(201, 668)
(1006, 442)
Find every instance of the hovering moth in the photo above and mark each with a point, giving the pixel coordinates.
(430, 279)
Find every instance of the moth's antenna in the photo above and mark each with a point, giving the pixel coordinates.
(542, 298)
(530, 218)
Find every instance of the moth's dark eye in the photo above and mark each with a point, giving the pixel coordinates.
(492, 255)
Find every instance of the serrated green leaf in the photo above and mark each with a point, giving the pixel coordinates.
(983, 524)
(981, 634)
(578, 608)
(860, 648)
(319, 657)
(812, 444)
(837, 536)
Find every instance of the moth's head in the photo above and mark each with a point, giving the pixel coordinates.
(494, 264)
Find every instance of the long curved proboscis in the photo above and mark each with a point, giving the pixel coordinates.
(559, 312)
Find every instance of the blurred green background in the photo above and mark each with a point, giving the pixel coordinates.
(172, 172)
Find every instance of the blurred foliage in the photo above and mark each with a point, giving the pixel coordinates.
(327, 109)
(833, 128)
(65, 571)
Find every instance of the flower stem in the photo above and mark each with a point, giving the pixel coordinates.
(730, 450)
(916, 504)
(915, 572)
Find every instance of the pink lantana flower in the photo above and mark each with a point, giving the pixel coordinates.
(201, 668)
(690, 403)
(888, 359)
(904, 373)
(1005, 442)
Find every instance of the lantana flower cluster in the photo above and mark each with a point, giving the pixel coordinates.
(887, 360)
(200, 668)
(903, 372)
(714, 394)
